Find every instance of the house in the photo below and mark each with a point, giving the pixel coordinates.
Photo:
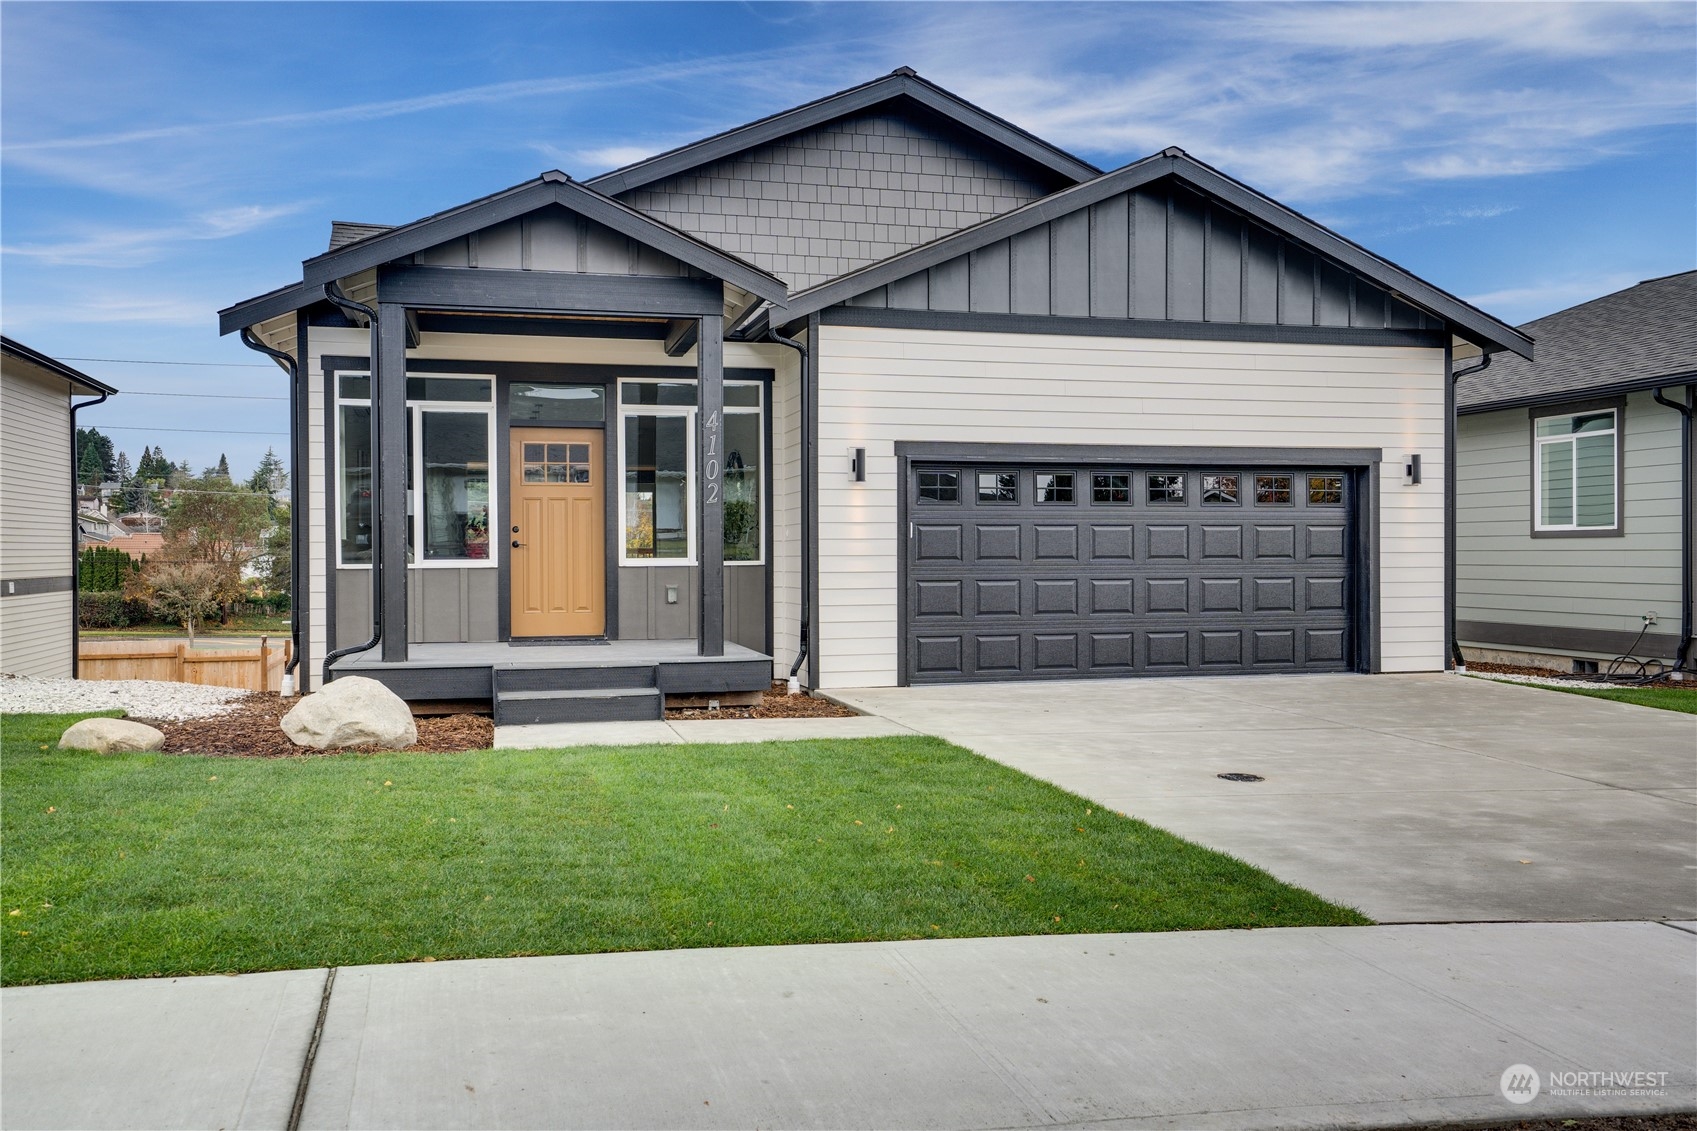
(1575, 488)
(877, 390)
(38, 499)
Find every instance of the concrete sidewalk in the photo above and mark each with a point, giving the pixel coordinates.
(1277, 1028)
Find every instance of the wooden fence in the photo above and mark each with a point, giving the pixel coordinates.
(258, 669)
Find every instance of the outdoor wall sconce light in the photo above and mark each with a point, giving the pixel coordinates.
(857, 464)
(1411, 470)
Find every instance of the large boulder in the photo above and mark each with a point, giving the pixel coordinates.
(111, 736)
(352, 711)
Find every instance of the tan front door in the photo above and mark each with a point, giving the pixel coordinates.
(558, 536)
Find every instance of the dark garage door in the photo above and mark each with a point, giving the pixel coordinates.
(1022, 572)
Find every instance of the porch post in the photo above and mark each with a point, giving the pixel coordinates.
(389, 402)
(710, 465)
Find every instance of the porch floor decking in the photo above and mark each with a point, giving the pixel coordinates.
(490, 653)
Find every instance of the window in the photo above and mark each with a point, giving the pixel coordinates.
(1110, 487)
(556, 404)
(939, 486)
(1577, 474)
(1325, 490)
(657, 455)
(1054, 486)
(1220, 491)
(1272, 490)
(450, 433)
(556, 463)
(998, 486)
(1166, 488)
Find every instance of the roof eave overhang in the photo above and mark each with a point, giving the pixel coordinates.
(831, 107)
(76, 377)
(1563, 396)
(1488, 333)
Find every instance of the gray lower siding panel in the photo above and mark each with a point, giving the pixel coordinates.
(35, 635)
(645, 613)
(445, 606)
(1551, 638)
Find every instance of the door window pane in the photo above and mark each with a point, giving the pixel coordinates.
(742, 487)
(1166, 488)
(557, 404)
(939, 486)
(998, 486)
(1054, 487)
(1220, 490)
(656, 486)
(455, 485)
(354, 491)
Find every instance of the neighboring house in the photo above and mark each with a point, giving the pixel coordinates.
(38, 497)
(883, 388)
(1575, 487)
(138, 543)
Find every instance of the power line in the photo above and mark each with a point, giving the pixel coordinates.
(140, 361)
(212, 431)
(211, 396)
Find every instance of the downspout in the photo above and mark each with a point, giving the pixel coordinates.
(1451, 546)
(349, 306)
(296, 560)
(76, 542)
(1683, 659)
(805, 632)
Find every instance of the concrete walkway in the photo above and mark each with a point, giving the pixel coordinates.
(1279, 1028)
(545, 736)
(1416, 798)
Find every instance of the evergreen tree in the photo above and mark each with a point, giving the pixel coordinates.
(105, 458)
(269, 475)
(89, 470)
(223, 468)
(125, 472)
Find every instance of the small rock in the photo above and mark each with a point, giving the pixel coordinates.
(352, 711)
(111, 736)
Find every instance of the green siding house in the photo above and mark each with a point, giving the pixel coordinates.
(1574, 489)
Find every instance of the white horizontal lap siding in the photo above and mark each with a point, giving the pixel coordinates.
(881, 386)
(35, 458)
(1506, 576)
(35, 635)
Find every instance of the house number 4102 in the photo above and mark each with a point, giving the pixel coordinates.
(710, 472)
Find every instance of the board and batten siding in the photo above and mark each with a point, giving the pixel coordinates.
(878, 386)
(35, 521)
(1505, 576)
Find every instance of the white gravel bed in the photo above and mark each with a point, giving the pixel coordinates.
(138, 698)
(1539, 681)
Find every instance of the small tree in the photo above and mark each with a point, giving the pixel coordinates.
(184, 592)
(269, 475)
(213, 521)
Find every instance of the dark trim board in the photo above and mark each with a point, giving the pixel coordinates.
(1361, 465)
(35, 586)
(1127, 327)
(1551, 638)
(489, 289)
(1686, 378)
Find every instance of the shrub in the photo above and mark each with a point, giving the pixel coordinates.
(104, 569)
(103, 610)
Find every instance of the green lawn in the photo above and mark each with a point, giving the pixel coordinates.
(239, 626)
(1667, 699)
(147, 864)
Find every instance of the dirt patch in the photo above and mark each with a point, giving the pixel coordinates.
(253, 730)
(778, 704)
(1561, 677)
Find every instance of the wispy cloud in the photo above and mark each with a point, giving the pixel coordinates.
(112, 309)
(129, 247)
(1522, 304)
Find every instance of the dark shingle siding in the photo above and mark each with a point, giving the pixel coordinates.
(1644, 331)
(826, 201)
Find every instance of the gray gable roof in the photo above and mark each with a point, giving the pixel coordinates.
(1637, 338)
(345, 232)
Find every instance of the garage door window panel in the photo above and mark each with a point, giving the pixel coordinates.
(999, 488)
(1165, 488)
(1111, 488)
(1054, 487)
(1221, 491)
(939, 486)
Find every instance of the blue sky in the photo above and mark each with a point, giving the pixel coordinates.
(163, 160)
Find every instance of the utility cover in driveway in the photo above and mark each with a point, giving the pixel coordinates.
(1019, 572)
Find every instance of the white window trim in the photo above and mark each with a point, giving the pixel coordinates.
(415, 515)
(1571, 439)
(688, 412)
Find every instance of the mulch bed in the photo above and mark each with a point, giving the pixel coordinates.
(253, 730)
(1558, 677)
(778, 704)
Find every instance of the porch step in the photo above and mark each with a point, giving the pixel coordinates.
(513, 677)
(585, 705)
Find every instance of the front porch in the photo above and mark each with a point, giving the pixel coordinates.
(610, 680)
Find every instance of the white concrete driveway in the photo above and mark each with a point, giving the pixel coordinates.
(1417, 798)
